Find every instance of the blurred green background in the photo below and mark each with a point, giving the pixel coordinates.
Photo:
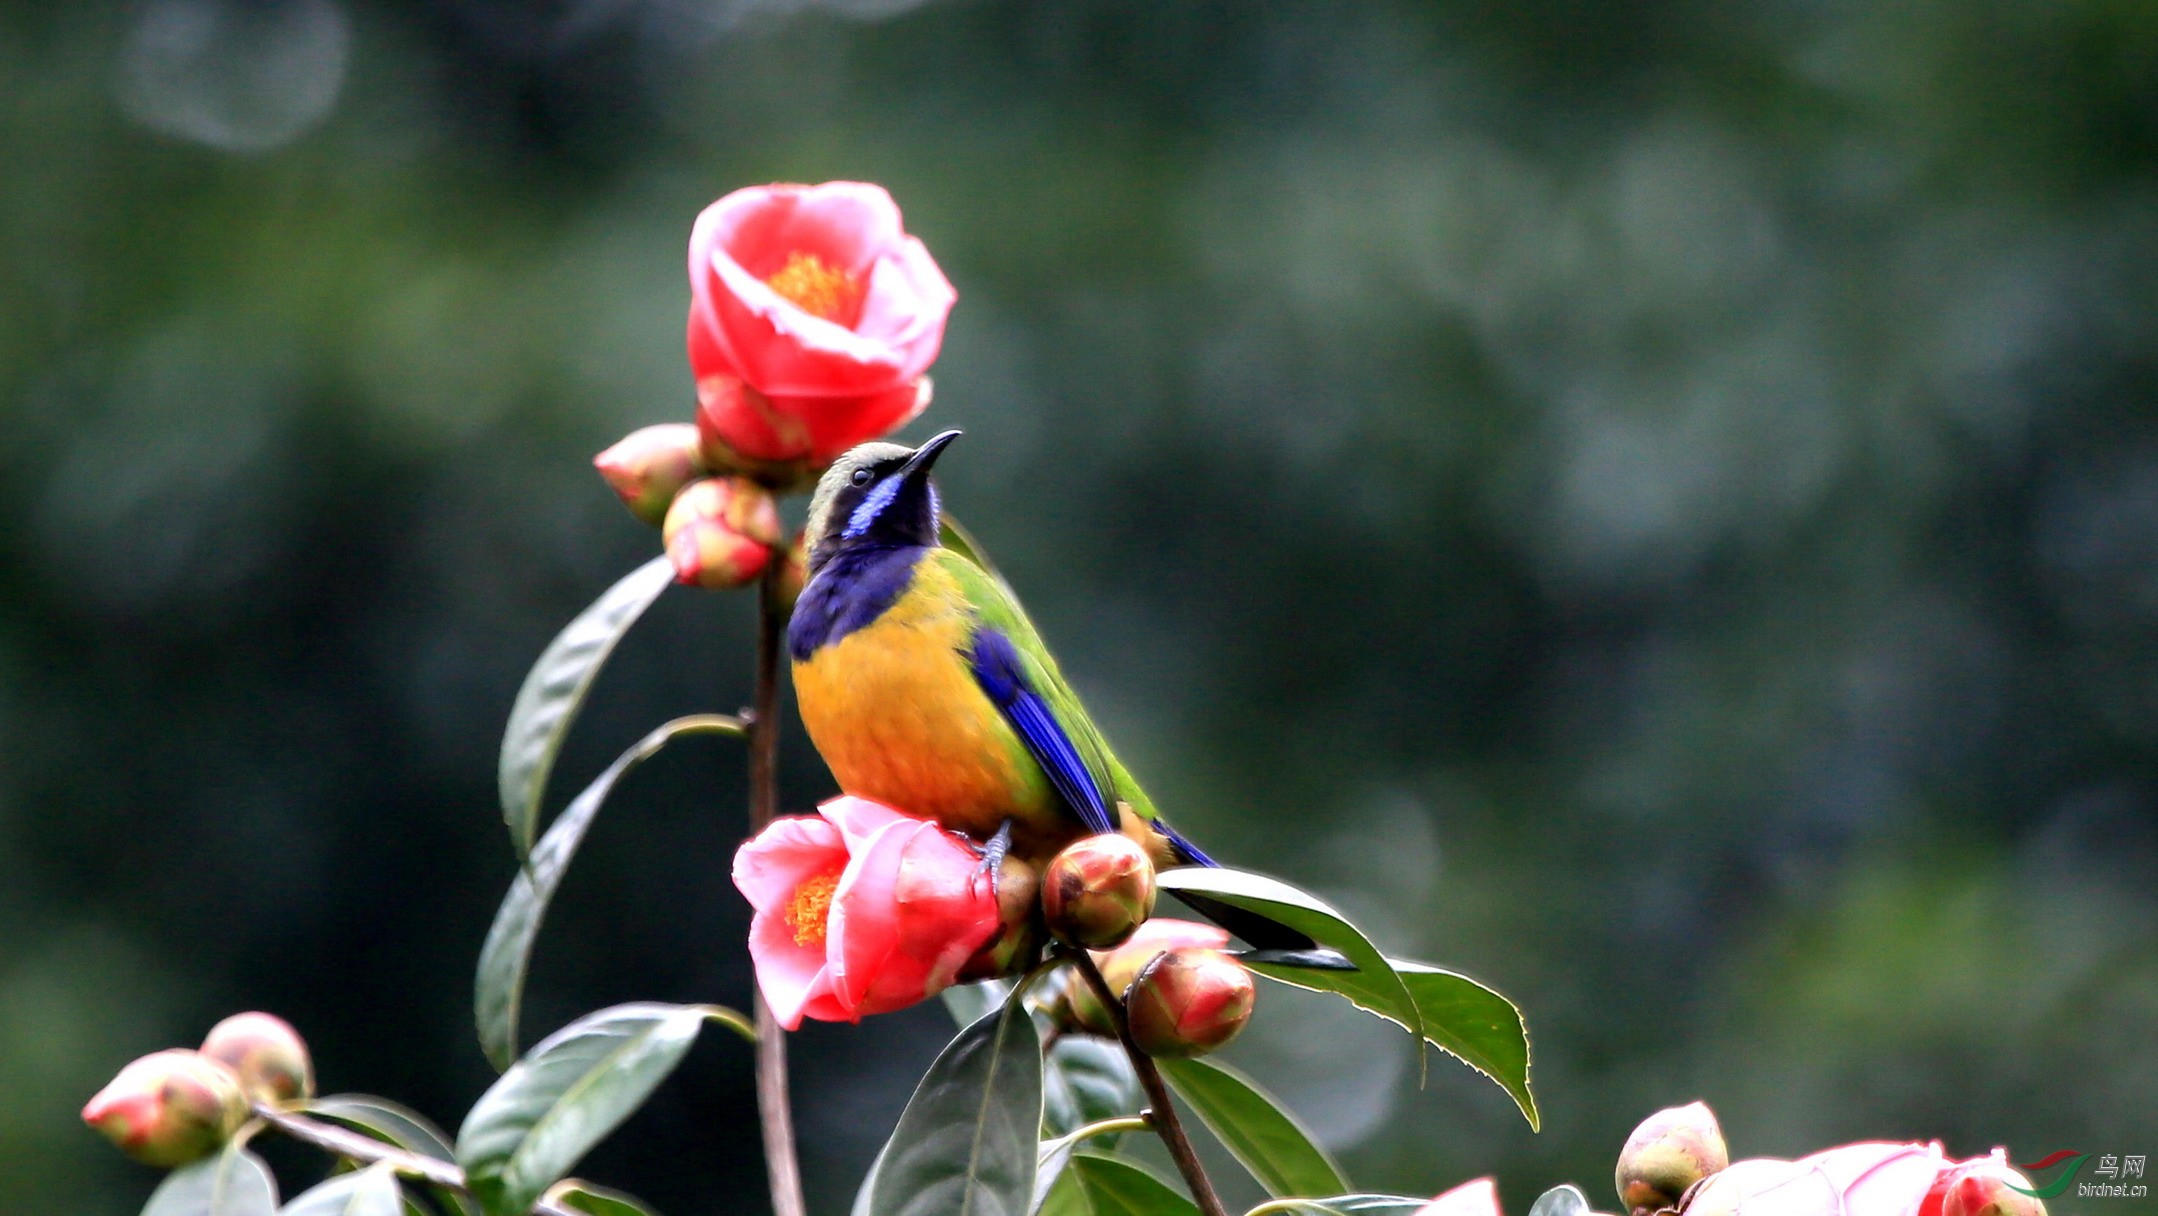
(1655, 505)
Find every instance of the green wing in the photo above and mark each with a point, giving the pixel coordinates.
(999, 609)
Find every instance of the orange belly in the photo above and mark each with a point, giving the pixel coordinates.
(895, 710)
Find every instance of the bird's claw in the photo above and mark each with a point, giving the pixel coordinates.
(993, 855)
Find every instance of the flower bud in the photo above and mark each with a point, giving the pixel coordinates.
(1119, 967)
(169, 1108)
(649, 467)
(1670, 1151)
(793, 572)
(1098, 891)
(719, 533)
(1019, 934)
(1988, 1186)
(266, 1053)
(1189, 1002)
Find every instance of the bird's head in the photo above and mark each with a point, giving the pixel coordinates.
(876, 494)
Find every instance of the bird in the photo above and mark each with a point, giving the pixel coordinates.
(925, 686)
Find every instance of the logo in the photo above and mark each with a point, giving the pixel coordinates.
(2114, 1166)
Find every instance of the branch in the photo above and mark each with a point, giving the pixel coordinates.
(1162, 1115)
(345, 1143)
(773, 1107)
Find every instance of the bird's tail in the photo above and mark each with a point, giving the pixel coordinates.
(1189, 853)
(1270, 940)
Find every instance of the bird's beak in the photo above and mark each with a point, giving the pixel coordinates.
(917, 465)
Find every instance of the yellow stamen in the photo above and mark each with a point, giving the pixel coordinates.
(809, 908)
(819, 289)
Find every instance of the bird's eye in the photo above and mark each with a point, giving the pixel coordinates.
(863, 477)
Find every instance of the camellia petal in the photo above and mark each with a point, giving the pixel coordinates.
(1477, 1197)
(813, 318)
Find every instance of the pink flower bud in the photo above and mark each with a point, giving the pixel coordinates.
(1986, 1186)
(1098, 891)
(649, 467)
(1189, 1002)
(266, 1053)
(1119, 967)
(1669, 1152)
(169, 1108)
(794, 573)
(719, 533)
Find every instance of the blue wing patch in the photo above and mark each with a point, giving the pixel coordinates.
(997, 669)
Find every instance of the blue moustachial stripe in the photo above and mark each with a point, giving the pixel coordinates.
(855, 588)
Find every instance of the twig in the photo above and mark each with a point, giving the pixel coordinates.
(344, 1143)
(773, 1107)
(1106, 1127)
(1163, 1112)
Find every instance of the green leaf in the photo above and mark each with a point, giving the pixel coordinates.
(499, 985)
(580, 1196)
(967, 1140)
(969, 1003)
(1264, 1138)
(1372, 985)
(1369, 1205)
(386, 1121)
(1562, 1200)
(568, 1092)
(369, 1192)
(1086, 1080)
(393, 1123)
(1064, 1197)
(234, 1182)
(1475, 1025)
(555, 688)
(1110, 1187)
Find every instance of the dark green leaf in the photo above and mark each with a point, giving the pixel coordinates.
(1111, 1187)
(966, 1142)
(1086, 1080)
(392, 1123)
(1266, 1139)
(1562, 1200)
(577, 1085)
(1372, 985)
(1369, 1205)
(867, 1191)
(498, 989)
(1477, 1026)
(233, 1182)
(1064, 1196)
(555, 688)
(580, 1196)
(969, 1003)
(386, 1121)
(369, 1192)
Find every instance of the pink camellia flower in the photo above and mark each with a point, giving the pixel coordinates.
(860, 910)
(813, 317)
(1881, 1179)
(1476, 1197)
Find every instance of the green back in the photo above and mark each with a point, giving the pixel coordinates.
(998, 608)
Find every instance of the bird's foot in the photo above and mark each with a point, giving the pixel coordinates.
(994, 853)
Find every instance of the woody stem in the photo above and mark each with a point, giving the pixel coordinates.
(1162, 1112)
(773, 1107)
